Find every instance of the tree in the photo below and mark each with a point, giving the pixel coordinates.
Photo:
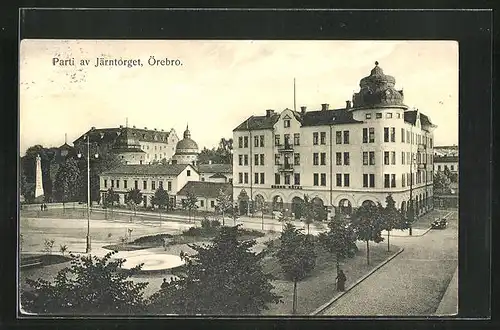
(111, 198)
(367, 221)
(161, 198)
(308, 211)
(27, 189)
(224, 203)
(441, 182)
(391, 218)
(104, 162)
(284, 218)
(91, 285)
(190, 203)
(133, 198)
(224, 277)
(296, 256)
(340, 239)
(68, 181)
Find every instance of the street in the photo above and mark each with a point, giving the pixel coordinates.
(413, 283)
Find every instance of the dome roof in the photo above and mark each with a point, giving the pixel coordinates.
(186, 145)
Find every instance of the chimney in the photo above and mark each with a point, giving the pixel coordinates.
(303, 109)
(92, 128)
(324, 106)
(269, 112)
(133, 126)
(155, 129)
(145, 128)
(121, 126)
(162, 129)
(347, 104)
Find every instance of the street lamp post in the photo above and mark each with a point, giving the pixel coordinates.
(88, 240)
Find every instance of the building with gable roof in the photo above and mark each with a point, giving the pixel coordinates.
(131, 144)
(342, 158)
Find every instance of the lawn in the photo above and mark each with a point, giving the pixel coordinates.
(319, 287)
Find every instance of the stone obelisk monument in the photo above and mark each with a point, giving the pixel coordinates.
(38, 179)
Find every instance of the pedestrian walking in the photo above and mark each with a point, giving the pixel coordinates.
(164, 284)
(41, 207)
(341, 279)
(44, 207)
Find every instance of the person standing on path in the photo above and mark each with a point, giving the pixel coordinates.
(341, 279)
(164, 284)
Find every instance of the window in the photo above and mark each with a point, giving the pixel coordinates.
(256, 178)
(407, 136)
(365, 180)
(365, 135)
(388, 115)
(286, 137)
(136, 184)
(403, 180)
(323, 179)
(338, 137)
(276, 140)
(202, 203)
(393, 180)
(386, 134)
(202, 179)
(287, 178)
(403, 135)
(261, 178)
(296, 159)
(393, 134)
(240, 177)
(117, 183)
(339, 180)
(240, 160)
(346, 137)
(245, 176)
(372, 134)
(144, 185)
(256, 160)
(125, 184)
(365, 157)
(112, 183)
(276, 178)
(323, 137)
(368, 116)
(398, 115)
(245, 142)
(452, 167)
(262, 159)
(256, 141)
(315, 158)
(315, 179)
(262, 141)
(286, 123)
(386, 180)
(323, 159)
(378, 115)
(386, 157)
(338, 157)
(315, 138)
(296, 179)
(212, 204)
(105, 183)
(296, 139)
(402, 157)
(276, 159)
(439, 167)
(346, 180)
(393, 158)
(372, 180)
(153, 185)
(245, 160)
(240, 142)
(188, 172)
(346, 158)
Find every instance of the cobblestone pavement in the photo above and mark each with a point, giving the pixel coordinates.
(413, 283)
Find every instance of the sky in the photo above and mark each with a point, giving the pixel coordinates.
(219, 84)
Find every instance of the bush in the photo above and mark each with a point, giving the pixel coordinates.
(193, 231)
(215, 223)
(158, 238)
(205, 223)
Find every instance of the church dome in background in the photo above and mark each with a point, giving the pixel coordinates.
(186, 145)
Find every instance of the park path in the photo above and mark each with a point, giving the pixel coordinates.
(413, 283)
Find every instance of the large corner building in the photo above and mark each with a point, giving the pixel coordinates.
(341, 158)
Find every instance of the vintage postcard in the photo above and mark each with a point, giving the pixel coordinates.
(238, 177)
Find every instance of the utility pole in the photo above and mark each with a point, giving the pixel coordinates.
(88, 249)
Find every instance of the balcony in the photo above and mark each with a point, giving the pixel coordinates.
(421, 147)
(287, 147)
(286, 168)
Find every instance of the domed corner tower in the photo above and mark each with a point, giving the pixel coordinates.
(186, 151)
(377, 90)
(128, 148)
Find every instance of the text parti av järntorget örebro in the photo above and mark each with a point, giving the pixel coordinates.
(129, 63)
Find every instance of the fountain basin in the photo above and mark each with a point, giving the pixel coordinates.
(154, 262)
